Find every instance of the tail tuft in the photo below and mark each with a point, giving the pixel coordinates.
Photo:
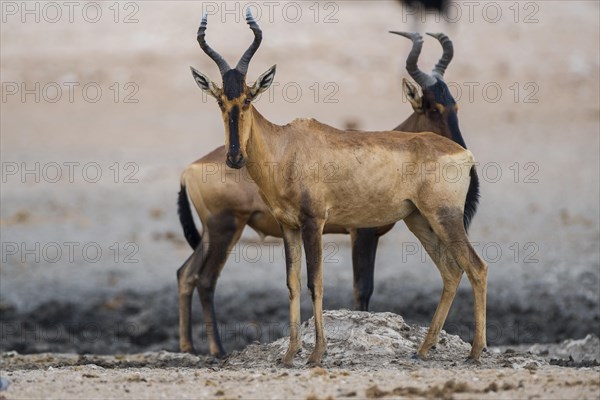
(472, 199)
(187, 219)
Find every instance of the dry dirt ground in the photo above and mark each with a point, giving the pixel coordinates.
(89, 230)
(369, 356)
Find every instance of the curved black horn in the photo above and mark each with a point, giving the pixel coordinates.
(242, 65)
(221, 63)
(423, 79)
(446, 43)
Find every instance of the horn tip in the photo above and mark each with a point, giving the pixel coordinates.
(405, 34)
(439, 35)
(203, 22)
(415, 36)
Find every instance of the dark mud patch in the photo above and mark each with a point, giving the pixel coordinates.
(14, 361)
(134, 322)
(574, 364)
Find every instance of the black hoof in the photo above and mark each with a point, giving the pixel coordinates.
(471, 361)
(283, 364)
(416, 356)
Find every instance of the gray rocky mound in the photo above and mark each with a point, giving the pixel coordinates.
(362, 340)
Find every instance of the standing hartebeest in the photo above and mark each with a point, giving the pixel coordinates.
(380, 178)
(226, 201)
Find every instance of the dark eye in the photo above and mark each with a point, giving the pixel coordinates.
(220, 103)
(248, 101)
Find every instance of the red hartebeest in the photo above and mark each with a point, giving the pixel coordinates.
(226, 201)
(381, 178)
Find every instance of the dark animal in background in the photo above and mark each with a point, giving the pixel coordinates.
(436, 5)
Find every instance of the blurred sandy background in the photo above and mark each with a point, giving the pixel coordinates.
(531, 118)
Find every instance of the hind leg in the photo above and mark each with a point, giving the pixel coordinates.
(364, 248)
(447, 223)
(187, 276)
(224, 232)
(450, 271)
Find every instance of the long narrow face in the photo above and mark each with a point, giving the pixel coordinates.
(442, 108)
(435, 111)
(235, 97)
(235, 101)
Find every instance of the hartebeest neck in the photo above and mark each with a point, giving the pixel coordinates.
(418, 122)
(409, 123)
(263, 147)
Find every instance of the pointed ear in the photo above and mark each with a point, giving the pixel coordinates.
(205, 83)
(263, 82)
(412, 94)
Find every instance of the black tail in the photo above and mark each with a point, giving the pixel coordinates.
(187, 219)
(472, 199)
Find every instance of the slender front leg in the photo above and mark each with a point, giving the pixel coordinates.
(292, 241)
(312, 236)
(187, 276)
(364, 248)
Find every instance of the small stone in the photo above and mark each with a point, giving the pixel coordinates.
(4, 384)
(532, 366)
(492, 387)
(374, 392)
